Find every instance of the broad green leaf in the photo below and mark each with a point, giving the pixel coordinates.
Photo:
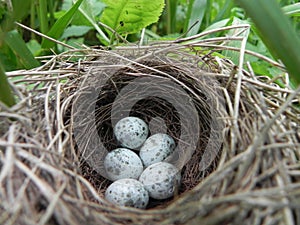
(6, 95)
(195, 14)
(34, 47)
(76, 42)
(95, 7)
(66, 5)
(75, 31)
(277, 33)
(60, 25)
(14, 40)
(131, 16)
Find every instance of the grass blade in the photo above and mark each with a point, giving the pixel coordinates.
(292, 10)
(276, 32)
(60, 25)
(171, 6)
(87, 12)
(14, 40)
(195, 14)
(6, 95)
(43, 16)
(225, 12)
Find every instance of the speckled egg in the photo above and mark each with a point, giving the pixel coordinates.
(122, 163)
(127, 192)
(156, 148)
(161, 180)
(131, 132)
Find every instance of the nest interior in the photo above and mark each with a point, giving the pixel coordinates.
(249, 137)
(154, 106)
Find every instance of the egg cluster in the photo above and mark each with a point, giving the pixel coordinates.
(137, 177)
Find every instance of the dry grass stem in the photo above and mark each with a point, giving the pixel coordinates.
(249, 139)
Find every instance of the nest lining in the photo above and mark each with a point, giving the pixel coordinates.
(153, 107)
(45, 180)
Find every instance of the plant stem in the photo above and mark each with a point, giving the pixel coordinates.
(171, 6)
(32, 18)
(43, 15)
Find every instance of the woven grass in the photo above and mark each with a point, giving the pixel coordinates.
(46, 178)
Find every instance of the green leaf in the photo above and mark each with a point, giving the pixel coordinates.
(219, 24)
(96, 6)
(34, 47)
(76, 42)
(6, 95)
(43, 16)
(171, 15)
(292, 10)
(276, 32)
(87, 10)
(79, 19)
(233, 55)
(75, 31)
(195, 14)
(14, 40)
(260, 69)
(8, 59)
(130, 16)
(20, 9)
(224, 10)
(60, 25)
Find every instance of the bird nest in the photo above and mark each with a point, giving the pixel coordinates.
(236, 135)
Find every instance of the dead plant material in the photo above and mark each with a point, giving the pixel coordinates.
(51, 171)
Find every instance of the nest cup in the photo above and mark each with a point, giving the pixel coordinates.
(185, 102)
(245, 161)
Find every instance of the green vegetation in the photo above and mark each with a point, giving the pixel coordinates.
(274, 23)
(127, 17)
(276, 31)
